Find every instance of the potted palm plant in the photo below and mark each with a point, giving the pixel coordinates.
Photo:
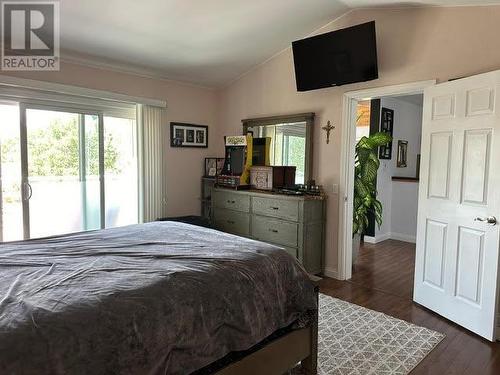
(365, 199)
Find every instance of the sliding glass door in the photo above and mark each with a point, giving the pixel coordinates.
(65, 170)
(60, 172)
(120, 171)
(91, 168)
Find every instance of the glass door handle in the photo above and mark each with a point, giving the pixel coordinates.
(28, 191)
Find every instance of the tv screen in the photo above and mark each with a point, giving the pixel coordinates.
(336, 58)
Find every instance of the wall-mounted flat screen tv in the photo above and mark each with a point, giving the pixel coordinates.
(336, 58)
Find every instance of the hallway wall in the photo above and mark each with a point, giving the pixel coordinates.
(399, 198)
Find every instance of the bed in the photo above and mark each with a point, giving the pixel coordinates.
(156, 298)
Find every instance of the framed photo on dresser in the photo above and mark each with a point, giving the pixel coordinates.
(188, 135)
(213, 166)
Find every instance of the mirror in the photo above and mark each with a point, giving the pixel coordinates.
(291, 141)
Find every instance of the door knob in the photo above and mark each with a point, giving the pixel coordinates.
(491, 220)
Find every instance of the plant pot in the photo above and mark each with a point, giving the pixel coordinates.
(356, 243)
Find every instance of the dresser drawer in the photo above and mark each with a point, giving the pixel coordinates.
(284, 209)
(274, 230)
(232, 221)
(232, 201)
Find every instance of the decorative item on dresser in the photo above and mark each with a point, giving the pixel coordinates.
(272, 177)
(213, 166)
(237, 162)
(295, 223)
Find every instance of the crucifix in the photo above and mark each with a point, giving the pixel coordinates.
(328, 128)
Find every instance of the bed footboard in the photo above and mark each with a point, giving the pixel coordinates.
(282, 354)
(310, 363)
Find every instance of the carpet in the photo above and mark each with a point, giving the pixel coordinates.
(356, 340)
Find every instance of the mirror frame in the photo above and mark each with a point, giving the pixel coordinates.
(308, 118)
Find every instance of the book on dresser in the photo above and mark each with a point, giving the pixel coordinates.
(295, 223)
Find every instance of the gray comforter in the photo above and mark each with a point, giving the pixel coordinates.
(154, 298)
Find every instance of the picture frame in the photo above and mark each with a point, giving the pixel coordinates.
(188, 135)
(402, 159)
(213, 166)
(220, 165)
(386, 126)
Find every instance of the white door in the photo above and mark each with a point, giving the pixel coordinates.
(457, 248)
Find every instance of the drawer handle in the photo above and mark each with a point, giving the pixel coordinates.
(273, 230)
(230, 221)
(229, 201)
(275, 208)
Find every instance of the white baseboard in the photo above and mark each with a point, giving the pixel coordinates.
(334, 274)
(377, 238)
(403, 237)
(390, 236)
(369, 239)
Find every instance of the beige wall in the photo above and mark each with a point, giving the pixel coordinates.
(413, 44)
(185, 103)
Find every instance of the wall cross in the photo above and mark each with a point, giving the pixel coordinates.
(328, 128)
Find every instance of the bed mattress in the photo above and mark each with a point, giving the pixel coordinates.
(153, 298)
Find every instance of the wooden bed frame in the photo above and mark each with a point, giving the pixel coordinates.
(282, 354)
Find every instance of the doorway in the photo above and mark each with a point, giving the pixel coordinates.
(386, 257)
(351, 100)
(398, 174)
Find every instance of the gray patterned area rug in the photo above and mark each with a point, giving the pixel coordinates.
(356, 340)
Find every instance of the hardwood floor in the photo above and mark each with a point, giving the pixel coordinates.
(383, 281)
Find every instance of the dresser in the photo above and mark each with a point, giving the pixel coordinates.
(295, 223)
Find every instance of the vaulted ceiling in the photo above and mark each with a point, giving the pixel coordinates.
(206, 42)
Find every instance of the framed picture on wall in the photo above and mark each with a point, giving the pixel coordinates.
(188, 135)
(386, 126)
(402, 160)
